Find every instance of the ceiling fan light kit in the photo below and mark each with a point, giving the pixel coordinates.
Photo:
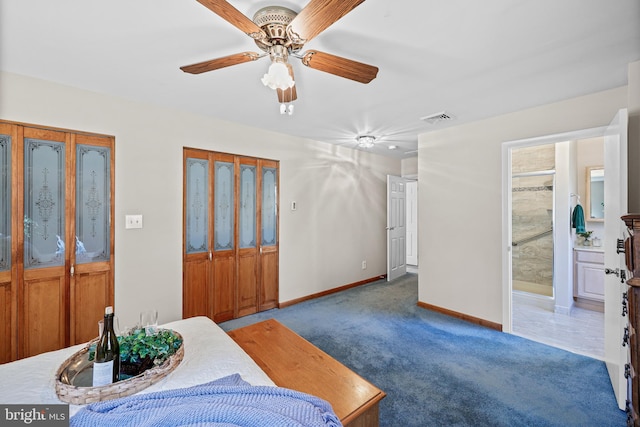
(277, 77)
(366, 141)
(281, 32)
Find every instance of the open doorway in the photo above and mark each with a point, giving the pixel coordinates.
(546, 183)
(615, 204)
(412, 226)
(402, 226)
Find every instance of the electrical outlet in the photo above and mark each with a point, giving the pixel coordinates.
(133, 221)
(364, 265)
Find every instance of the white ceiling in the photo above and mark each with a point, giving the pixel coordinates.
(473, 59)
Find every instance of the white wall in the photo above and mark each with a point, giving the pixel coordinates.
(340, 193)
(410, 167)
(459, 170)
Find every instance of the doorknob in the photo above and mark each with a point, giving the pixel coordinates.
(610, 271)
(391, 228)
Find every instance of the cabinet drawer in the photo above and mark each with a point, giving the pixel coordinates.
(589, 256)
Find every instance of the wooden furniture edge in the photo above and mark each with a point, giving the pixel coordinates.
(331, 291)
(358, 416)
(368, 406)
(462, 316)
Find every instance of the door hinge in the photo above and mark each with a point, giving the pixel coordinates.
(628, 370)
(625, 308)
(625, 337)
(620, 246)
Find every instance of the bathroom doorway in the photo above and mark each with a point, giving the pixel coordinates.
(543, 180)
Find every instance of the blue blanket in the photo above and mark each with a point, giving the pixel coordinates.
(227, 402)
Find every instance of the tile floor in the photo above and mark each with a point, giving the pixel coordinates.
(581, 332)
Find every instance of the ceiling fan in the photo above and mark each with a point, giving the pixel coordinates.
(280, 32)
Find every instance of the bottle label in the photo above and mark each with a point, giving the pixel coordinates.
(102, 373)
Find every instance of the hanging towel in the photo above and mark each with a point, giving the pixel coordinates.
(577, 219)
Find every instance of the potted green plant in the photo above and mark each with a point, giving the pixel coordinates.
(586, 235)
(140, 351)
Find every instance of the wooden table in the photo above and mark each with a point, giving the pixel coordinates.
(293, 362)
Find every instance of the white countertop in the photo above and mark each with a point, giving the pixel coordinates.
(588, 248)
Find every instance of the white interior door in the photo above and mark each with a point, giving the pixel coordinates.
(396, 227)
(412, 222)
(615, 205)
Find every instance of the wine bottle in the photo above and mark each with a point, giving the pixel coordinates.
(106, 365)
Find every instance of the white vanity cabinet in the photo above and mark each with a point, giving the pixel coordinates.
(588, 273)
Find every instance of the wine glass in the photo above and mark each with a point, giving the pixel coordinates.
(149, 321)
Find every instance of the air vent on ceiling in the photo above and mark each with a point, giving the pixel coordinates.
(437, 117)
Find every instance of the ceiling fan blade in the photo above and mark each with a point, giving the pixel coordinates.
(236, 18)
(343, 67)
(288, 95)
(226, 61)
(317, 16)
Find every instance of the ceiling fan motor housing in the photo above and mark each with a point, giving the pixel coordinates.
(273, 20)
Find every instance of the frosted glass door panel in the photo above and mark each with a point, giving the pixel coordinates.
(269, 206)
(223, 206)
(93, 204)
(5, 202)
(44, 203)
(247, 206)
(197, 211)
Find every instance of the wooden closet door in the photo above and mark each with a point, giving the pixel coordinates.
(8, 242)
(231, 269)
(246, 221)
(224, 241)
(46, 207)
(56, 237)
(197, 286)
(91, 234)
(269, 232)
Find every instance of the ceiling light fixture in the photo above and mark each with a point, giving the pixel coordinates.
(366, 141)
(278, 76)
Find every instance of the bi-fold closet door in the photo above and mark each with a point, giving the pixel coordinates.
(230, 237)
(56, 237)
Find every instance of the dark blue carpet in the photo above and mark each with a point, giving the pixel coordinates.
(441, 371)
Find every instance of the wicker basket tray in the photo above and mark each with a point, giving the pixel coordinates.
(78, 365)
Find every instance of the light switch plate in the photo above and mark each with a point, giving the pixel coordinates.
(133, 221)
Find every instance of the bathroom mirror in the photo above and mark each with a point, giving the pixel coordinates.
(595, 193)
